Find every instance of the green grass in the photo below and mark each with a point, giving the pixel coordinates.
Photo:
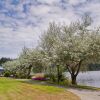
(12, 89)
(7, 84)
(49, 89)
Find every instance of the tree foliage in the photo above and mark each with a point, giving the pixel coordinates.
(72, 46)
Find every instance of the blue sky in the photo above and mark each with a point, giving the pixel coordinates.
(23, 21)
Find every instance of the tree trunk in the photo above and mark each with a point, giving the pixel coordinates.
(58, 74)
(74, 72)
(29, 71)
(73, 77)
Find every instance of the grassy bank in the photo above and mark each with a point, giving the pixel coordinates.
(11, 89)
(85, 87)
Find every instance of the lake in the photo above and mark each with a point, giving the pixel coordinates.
(89, 78)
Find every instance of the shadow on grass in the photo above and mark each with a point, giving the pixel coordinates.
(47, 83)
(29, 81)
(44, 83)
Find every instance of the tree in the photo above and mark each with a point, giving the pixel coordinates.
(11, 67)
(26, 64)
(72, 46)
(47, 45)
(28, 60)
(31, 59)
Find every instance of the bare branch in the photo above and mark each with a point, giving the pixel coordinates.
(68, 69)
(79, 66)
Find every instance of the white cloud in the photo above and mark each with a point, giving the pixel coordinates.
(76, 2)
(42, 9)
(24, 28)
(48, 1)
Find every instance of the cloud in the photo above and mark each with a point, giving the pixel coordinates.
(44, 9)
(76, 2)
(50, 2)
(23, 21)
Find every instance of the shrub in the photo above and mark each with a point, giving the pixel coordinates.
(20, 75)
(65, 82)
(7, 74)
(51, 77)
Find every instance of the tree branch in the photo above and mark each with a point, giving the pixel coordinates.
(79, 66)
(68, 69)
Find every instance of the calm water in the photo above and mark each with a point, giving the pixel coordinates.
(89, 78)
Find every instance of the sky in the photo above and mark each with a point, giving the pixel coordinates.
(23, 21)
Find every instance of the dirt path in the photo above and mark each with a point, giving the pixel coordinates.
(86, 94)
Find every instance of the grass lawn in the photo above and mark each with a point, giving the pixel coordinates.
(11, 89)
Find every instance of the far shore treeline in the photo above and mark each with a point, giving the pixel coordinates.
(4, 59)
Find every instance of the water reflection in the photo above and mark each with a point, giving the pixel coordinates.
(89, 78)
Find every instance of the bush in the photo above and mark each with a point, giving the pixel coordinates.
(65, 82)
(20, 75)
(7, 74)
(51, 77)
